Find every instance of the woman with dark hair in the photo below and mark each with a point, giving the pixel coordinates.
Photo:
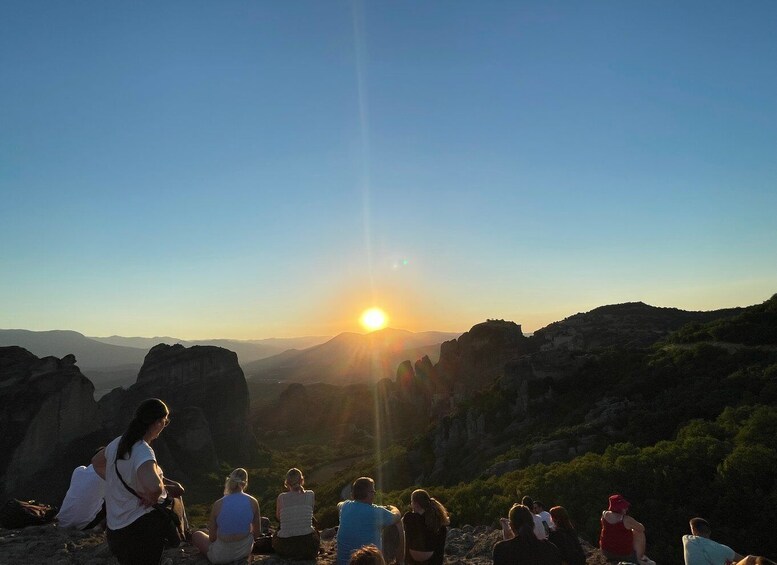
(135, 531)
(297, 538)
(426, 528)
(523, 546)
(565, 538)
(233, 524)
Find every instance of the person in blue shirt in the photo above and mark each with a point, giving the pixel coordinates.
(362, 522)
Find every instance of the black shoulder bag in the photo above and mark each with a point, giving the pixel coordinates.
(170, 522)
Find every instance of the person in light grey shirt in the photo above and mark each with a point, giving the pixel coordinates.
(699, 549)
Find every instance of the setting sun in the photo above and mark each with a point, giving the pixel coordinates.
(373, 319)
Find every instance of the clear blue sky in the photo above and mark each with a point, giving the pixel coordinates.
(257, 169)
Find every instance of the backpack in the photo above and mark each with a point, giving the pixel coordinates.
(22, 513)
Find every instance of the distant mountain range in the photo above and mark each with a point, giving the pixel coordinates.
(114, 351)
(115, 361)
(247, 350)
(350, 357)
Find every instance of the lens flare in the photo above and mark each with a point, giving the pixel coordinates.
(373, 319)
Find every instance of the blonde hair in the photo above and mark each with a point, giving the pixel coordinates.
(236, 481)
(294, 479)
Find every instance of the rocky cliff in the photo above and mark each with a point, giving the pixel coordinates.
(46, 409)
(208, 398)
(51, 422)
(494, 375)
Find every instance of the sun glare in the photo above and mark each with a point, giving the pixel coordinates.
(373, 319)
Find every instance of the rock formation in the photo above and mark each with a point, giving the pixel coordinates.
(51, 422)
(208, 398)
(46, 408)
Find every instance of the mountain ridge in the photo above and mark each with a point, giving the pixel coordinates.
(349, 357)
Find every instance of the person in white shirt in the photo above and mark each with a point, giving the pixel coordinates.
(84, 505)
(135, 532)
(539, 529)
(538, 509)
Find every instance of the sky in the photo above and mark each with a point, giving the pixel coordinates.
(272, 169)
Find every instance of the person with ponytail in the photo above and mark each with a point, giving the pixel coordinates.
(426, 528)
(297, 538)
(234, 523)
(135, 532)
(523, 546)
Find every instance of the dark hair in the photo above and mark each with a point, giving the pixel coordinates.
(527, 501)
(367, 555)
(561, 518)
(701, 526)
(147, 412)
(522, 523)
(360, 490)
(435, 514)
(540, 504)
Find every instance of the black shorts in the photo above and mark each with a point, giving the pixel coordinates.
(140, 543)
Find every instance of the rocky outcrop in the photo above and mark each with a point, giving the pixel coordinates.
(46, 406)
(208, 398)
(474, 360)
(52, 545)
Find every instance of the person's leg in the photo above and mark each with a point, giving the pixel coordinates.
(201, 540)
(140, 543)
(755, 560)
(118, 545)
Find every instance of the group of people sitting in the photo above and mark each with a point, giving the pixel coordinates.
(532, 535)
(126, 476)
(126, 488)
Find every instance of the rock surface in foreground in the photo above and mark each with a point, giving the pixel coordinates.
(52, 545)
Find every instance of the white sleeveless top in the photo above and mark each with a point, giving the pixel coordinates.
(296, 514)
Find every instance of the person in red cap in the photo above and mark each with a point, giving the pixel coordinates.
(622, 537)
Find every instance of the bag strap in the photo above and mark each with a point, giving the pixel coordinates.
(129, 488)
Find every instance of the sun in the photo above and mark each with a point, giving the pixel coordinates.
(373, 319)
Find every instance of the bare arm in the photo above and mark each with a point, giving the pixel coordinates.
(507, 531)
(631, 524)
(99, 463)
(401, 546)
(213, 528)
(150, 482)
(395, 511)
(173, 488)
(256, 525)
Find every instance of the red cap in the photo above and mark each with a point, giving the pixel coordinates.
(618, 503)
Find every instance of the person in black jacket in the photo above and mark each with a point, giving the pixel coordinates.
(565, 537)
